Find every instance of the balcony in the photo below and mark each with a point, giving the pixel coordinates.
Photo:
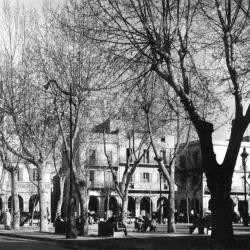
(99, 185)
(234, 189)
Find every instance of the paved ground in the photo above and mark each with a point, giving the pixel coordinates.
(140, 241)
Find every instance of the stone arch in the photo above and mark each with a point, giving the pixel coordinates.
(162, 203)
(33, 203)
(183, 206)
(113, 205)
(131, 206)
(145, 205)
(20, 198)
(93, 204)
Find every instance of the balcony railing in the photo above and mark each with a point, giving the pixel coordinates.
(239, 189)
(105, 185)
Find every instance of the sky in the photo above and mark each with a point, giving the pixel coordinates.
(37, 3)
(222, 133)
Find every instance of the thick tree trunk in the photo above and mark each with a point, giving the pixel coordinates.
(60, 200)
(42, 196)
(219, 181)
(71, 223)
(125, 209)
(171, 198)
(222, 210)
(83, 198)
(16, 209)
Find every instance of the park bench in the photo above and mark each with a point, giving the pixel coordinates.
(201, 227)
(112, 228)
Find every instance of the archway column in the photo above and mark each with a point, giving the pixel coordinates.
(138, 206)
(154, 205)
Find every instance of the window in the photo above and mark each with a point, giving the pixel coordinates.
(163, 139)
(163, 156)
(146, 156)
(92, 155)
(145, 177)
(91, 175)
(128, 152)
(34, 174)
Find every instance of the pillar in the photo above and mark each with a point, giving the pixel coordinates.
(137, 206)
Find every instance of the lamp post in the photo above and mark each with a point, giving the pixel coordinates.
(160, 174)
(71, 231)
(244, 156)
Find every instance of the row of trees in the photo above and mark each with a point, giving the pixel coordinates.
(174, 59)
(52, 77)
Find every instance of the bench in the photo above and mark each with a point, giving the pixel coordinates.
(115, 229)
(201, 227)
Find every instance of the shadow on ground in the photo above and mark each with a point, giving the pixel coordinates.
(159, 243)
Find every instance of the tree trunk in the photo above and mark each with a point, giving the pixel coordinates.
(221, 207)
(171, 200)
(125, 209)
(16, 209)
(83, 198)
(71, 223)
(219, 181)
(60, 200)
(32, 215)
(42, 196)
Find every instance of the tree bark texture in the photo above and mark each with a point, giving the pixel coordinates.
(71, 223)
(16, 208)
(219, 181)
(82, 191)
(60, 200)
(171, 200)
(125, 209)
(42, 196)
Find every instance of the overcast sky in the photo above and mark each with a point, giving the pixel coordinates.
(36, 3)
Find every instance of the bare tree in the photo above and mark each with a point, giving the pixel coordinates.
(71, 65)
(135, 156)
(13, 170)
(62, 175)
(196, 48)
(29, 132)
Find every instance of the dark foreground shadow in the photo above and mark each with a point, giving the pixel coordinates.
(196, 242)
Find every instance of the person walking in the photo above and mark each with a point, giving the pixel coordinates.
(7, 220)
(48, 215)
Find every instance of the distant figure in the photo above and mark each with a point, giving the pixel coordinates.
(48, 215)
(7, 220)
(138, 225)
(153, 225)
(176, 216)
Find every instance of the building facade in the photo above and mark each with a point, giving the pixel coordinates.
(27, 189)
(146, 190)
(195, 192)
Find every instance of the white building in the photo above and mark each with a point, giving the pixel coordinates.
(198, 193)
(144, 188)
(27, 189)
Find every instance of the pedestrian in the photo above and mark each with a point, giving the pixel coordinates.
(7, 220)
(176, 216)
(48, 215)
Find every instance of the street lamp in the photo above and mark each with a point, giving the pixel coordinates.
(70, 232)
(160, 174)
(244, 156)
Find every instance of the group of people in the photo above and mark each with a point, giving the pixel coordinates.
(143, 223)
